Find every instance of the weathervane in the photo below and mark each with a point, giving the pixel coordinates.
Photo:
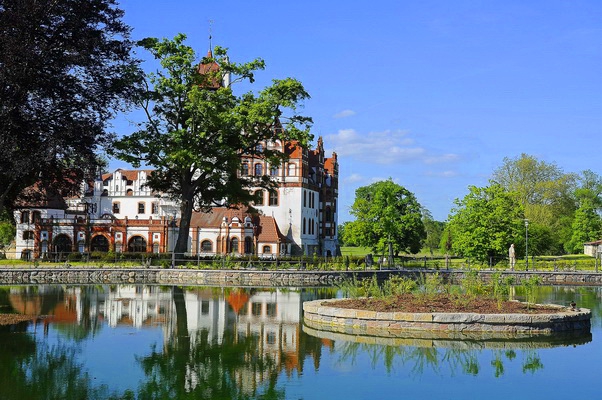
(210, 36)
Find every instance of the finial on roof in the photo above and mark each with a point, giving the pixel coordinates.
(210, 37)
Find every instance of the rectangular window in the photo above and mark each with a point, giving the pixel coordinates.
(155, 208)
(274, 198)
(116, 208)
(141, 208)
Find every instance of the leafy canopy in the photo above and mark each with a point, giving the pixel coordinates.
(197, 130)
(387, 216)
(485, 222)
(65, 68)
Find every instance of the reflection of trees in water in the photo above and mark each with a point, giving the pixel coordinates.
(423, 359)
(31, 369)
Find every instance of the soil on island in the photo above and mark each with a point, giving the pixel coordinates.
(10, 319)
(442, 303)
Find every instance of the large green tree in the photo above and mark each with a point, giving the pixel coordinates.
(545, 192)
(586, 227)
(197, 128)
(65, 68)
(485, 222)
(434, 231)
(388, 218)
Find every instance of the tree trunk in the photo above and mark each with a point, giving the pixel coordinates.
(186, 209)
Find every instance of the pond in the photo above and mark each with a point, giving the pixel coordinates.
(158, 342)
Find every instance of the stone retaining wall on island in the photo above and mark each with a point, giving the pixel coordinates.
(318, 312)
(253, 277)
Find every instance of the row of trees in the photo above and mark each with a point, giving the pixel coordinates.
(561, 212)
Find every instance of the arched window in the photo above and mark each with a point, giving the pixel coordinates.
(206, 246)
(245, 169)
(105, 193)
(248, 245)
(63, 244)
(25, 217)
(267, 249)
(28, 235)
(99, 243)
(129, 192)
(274, 198)
(304, 198)
(258, 169)
(234, 245)
(137, 244)
(327, 215)
(259, 198)
(292, 170)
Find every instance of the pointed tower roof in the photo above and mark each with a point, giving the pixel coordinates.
(208, 67)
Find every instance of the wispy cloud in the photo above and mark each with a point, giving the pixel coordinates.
(442, 174)
(444, 158)
(353, 178)
(344, 114)
(387, 147)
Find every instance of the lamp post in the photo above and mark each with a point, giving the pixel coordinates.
(526, 244)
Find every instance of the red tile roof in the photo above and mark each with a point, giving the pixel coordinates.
(267, 228)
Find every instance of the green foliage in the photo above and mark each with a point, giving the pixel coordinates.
(7, 233)
(65, 69)
(586, 226)
(545, 192)
(388, 219)
(529, 285)
(434, 231)
(197, 129)
(484, 223)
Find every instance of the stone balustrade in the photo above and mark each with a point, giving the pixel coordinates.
(252, 277)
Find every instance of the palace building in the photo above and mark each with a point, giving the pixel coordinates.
(117, 212)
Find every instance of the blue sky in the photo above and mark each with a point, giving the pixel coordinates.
(433, 94)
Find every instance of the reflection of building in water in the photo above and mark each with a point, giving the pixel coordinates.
(267, 319)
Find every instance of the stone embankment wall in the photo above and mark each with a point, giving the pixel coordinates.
(318, 312)
(256, 278)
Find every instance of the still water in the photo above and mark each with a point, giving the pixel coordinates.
(156, 342)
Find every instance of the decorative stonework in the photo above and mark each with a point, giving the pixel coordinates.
(448, 339)
(168, 277)
(253, 277)
(319, 313)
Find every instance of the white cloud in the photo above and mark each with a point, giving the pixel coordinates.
(443, 174)
(444, 158)
(344, 114)
(353, 178)
(387, 147)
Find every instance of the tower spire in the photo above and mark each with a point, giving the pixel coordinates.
(210, 37)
